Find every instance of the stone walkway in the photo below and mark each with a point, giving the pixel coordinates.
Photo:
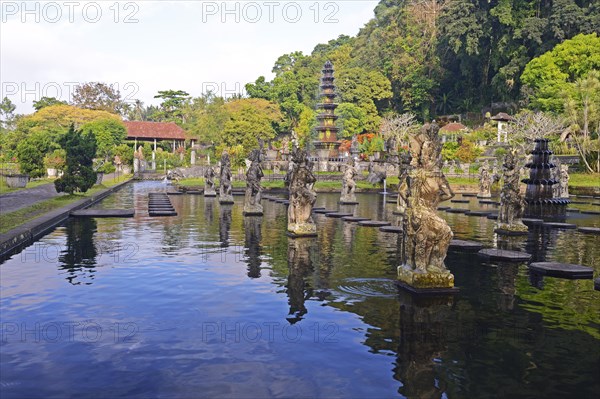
(16, 200)
(11, 202)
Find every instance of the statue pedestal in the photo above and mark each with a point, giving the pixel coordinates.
(514, 229)
(484, 195)
(302, 230)
(210, 193)
(226, 199)
(425, 281)
(253, 210)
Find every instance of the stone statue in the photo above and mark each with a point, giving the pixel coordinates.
(452, 168)
(354, 150)
(512, 204)
(485, 181)
(426, 236)
(403, 172)
(555, 173)
(225, 196)
(209, 182)
(139, 154)
(302, 196)
(375, 176)
(252, 205)
(348, 184)
(564, 181)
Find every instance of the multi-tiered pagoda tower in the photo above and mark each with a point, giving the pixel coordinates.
(327, 139)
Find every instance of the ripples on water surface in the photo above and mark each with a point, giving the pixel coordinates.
(208, 304)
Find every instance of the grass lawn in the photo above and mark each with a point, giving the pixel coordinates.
(31, 184)
(14, 219)
(584, 180)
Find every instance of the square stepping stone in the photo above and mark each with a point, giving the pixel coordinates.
(457, 210)
(478, 213)
(459, 201)
(557, 225)
(589, 230)
(374, 223)
(504, 254)
(463, 245)
(337, 214)
(391, 229)
(354, 219)
(564, 270)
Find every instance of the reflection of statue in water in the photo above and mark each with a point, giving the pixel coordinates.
(426, 235)
(512, 203)
(299, 267)
(485, 181)
(423, 328)
(252, 225)
(403, 172)
(302, 196)
(209, 182)
(224, 225)
(225, 196)
(252, 205)
(348, 184)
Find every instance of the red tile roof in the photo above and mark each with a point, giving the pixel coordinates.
(154, 130)
(453, 127)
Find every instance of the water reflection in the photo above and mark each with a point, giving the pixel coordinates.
(299, 267)
(252, 250)
(79, 255)
(224, 224)
(423, 339)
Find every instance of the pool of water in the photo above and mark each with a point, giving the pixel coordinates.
(210, 303)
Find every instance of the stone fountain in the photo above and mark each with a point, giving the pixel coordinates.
(539, 194)
(426, 236)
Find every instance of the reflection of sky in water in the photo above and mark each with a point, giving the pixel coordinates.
(194, 291)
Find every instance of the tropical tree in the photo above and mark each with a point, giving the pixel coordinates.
(99, 96)
(171, 107)
(80, 151)
(46, 102)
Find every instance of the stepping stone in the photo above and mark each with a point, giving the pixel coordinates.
(322, 210)
(391, 201)
(469, 195)
(478, 213)
(442, 208)
(457, 210)
(573, 210)
(596, 203)
(503, 254)
(564, 270)
(391, 229)
(210, 195)
(489, 202)
(591, 212)
(316, 208)
(597, 284)
(589, 230)
(557, 225)
(193, 192)
(174, 193)
(459, 201)
(280, 200)
(585, 196)
(103, 213)
(354, 219)
(338, 214)
(374, 223)
(493, 216)
(353, 202)
(504, 232)
(162, 213)
(530, 221)
(238, 193)
(579, 202)
(463, 245)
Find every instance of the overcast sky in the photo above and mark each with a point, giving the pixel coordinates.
(144, 46)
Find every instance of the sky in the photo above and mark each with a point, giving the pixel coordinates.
(141, 47)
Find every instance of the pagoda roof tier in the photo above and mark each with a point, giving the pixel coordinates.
(327, 105)
(325, 128)
(327, 116)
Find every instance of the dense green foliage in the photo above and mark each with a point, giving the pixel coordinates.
(80, 149)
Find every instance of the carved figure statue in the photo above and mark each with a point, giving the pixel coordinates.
(564, 181)
(252, 205)
(302, 196)
(512, 204)
(348, 183)
(209, 182)
(354, 146)
(556, 172)
(403, 171)
(426, 235)
(485, 181)
(225, 196)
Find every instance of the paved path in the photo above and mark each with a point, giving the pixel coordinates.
(10, 202)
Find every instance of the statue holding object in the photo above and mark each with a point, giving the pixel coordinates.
(302, 196)
(225, 196)
(512, 204)
(209, 182)
(348, 184)
(252, 205)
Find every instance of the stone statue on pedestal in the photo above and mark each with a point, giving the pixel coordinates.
(564, 181)
(426, 236)
(225, 196)
(485, 181)
(209, 182)
(252, 205)
(348, 184)
(302, 196)
(512, 204)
